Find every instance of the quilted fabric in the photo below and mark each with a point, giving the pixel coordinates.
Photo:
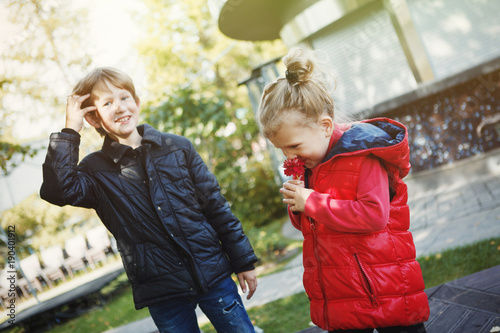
(370, 279)
(176, 233)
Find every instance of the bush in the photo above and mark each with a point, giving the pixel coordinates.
(268, 243)
(253, 194)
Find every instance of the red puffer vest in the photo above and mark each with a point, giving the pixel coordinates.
(366, 280)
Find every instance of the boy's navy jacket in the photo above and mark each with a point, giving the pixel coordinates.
(175, 231)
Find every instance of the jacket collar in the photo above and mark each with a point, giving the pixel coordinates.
(367, 135)
(378, 136)
(116, 150)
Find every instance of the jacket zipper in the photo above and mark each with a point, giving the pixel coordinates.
(188, 257)
(367, 282)
(318, 260)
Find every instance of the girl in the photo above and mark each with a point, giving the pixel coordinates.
(360, 271)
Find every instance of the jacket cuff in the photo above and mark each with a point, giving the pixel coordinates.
(294, 218)
(70, 131)
(244, 263)
(248, 267)
(315, 201)
(66, 135)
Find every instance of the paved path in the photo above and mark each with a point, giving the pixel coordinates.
(456, 205)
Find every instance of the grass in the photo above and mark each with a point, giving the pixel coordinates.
(458, 262)
(119, 311)
(289, 314)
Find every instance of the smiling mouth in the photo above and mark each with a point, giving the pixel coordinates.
(122, 119)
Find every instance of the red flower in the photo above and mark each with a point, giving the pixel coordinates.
(294, 167)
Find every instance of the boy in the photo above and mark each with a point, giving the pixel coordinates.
(178, 238)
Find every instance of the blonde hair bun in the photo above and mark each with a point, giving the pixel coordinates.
(299, 65)
(304, 91)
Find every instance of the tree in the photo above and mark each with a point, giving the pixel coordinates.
(193, 72)
(36, 64)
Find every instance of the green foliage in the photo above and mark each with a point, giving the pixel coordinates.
(193, 71)
(253, 194)
(40, 224)
(38, 60)
(268, 243)
(190, 114)
(13, 154)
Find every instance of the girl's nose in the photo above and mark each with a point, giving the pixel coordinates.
(289, 155)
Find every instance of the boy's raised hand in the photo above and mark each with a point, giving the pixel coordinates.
(74, 112)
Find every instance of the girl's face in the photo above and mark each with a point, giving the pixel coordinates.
(309, 143)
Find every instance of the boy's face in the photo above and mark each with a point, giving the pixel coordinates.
(117, 112)
(309, 144)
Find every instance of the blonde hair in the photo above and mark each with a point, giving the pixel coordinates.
(95, 82)
(305, 90)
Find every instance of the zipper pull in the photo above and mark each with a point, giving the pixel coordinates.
(313, 226)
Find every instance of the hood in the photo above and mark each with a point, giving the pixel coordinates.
(382, 137)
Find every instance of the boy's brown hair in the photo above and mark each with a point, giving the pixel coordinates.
(95, 82)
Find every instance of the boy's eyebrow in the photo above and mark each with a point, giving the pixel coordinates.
(102, 99)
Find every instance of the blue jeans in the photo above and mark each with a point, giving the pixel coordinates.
(222, 305)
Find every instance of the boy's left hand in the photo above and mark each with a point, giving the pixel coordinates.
(251, 278)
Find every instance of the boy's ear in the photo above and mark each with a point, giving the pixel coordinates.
(93, 119)
(326, 123)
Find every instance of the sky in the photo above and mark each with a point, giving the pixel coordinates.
(6, 29)
(114, 32)
(111, 28)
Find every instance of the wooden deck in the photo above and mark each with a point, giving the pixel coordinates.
(467, 305)
(39, 317)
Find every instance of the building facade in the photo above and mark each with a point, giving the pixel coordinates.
(432, 64)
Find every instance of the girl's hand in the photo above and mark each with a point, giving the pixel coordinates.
(292, 182)
(295, 195)
(74, 113)
(286, 194)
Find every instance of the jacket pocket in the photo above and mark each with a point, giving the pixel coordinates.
(366, 280)
(129, 259)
